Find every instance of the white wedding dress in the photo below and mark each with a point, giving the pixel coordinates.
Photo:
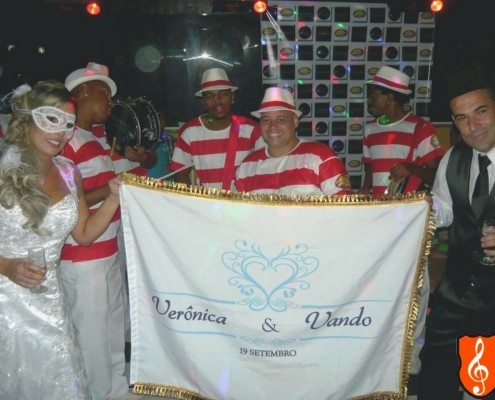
(39, 355)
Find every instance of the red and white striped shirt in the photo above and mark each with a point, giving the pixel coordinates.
(311, 168)
(120, 163)
(387, 145)
(96, 168)
(208, 149)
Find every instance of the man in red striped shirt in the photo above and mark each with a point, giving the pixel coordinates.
(401, 154)
(289, 165)
(400, 150)
(92, 274)
(214, 143)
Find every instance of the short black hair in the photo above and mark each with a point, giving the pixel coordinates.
(467, 77)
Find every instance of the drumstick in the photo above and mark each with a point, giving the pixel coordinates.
(114, 142)
(392, 186)
(180, 169)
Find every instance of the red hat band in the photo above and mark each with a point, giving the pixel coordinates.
(276, 104)
(215, 83)
(389, 83)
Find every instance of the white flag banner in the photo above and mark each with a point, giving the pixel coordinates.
(247, 299)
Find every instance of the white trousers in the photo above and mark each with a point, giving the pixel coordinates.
(94, 289)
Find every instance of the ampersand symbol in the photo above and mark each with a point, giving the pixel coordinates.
(268, 326)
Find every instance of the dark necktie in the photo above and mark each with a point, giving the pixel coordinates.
(480, 193)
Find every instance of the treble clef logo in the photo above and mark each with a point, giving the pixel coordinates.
(476, 371)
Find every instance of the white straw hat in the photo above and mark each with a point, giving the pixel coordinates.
(392, 79)
(215, 79)
(276, 99)
(92, 72)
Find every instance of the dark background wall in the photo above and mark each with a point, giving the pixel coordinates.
(464, 32)
(71, 38)
(151, 56)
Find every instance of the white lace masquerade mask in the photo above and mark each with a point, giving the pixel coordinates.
(52, 119)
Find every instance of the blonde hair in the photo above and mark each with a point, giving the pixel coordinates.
(20, 183)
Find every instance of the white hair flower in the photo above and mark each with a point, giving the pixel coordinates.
(20, 90)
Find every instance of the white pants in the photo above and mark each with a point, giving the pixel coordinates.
(94, 289)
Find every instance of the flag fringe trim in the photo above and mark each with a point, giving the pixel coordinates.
(416, 293)
(175, 392)
(381, 396)
(267, 199)
(152, 389)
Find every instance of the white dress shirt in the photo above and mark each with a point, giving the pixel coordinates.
(442, 201)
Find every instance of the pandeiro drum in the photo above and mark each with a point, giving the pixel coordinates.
(134, 123)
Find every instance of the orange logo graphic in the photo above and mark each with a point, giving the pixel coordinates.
(477, 369)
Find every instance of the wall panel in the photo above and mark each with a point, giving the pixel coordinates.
(324, 52)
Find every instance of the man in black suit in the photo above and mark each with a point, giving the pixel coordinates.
(464, 301)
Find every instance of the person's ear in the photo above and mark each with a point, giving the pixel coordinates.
(296, 120)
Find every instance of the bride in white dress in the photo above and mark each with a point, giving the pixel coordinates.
(41, 203)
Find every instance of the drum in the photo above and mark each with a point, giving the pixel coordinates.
(134, 123)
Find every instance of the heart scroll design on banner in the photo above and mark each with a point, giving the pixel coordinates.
(266, 281)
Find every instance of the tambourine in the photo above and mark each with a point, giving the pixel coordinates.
(134, 123)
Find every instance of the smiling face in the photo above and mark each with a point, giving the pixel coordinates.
(278, 129)
(49, 142)
(474, 115)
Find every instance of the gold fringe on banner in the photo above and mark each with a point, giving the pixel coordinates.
(381, 396)
(174, 392)
(267, 199)
(416, 293)
(151, 389)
